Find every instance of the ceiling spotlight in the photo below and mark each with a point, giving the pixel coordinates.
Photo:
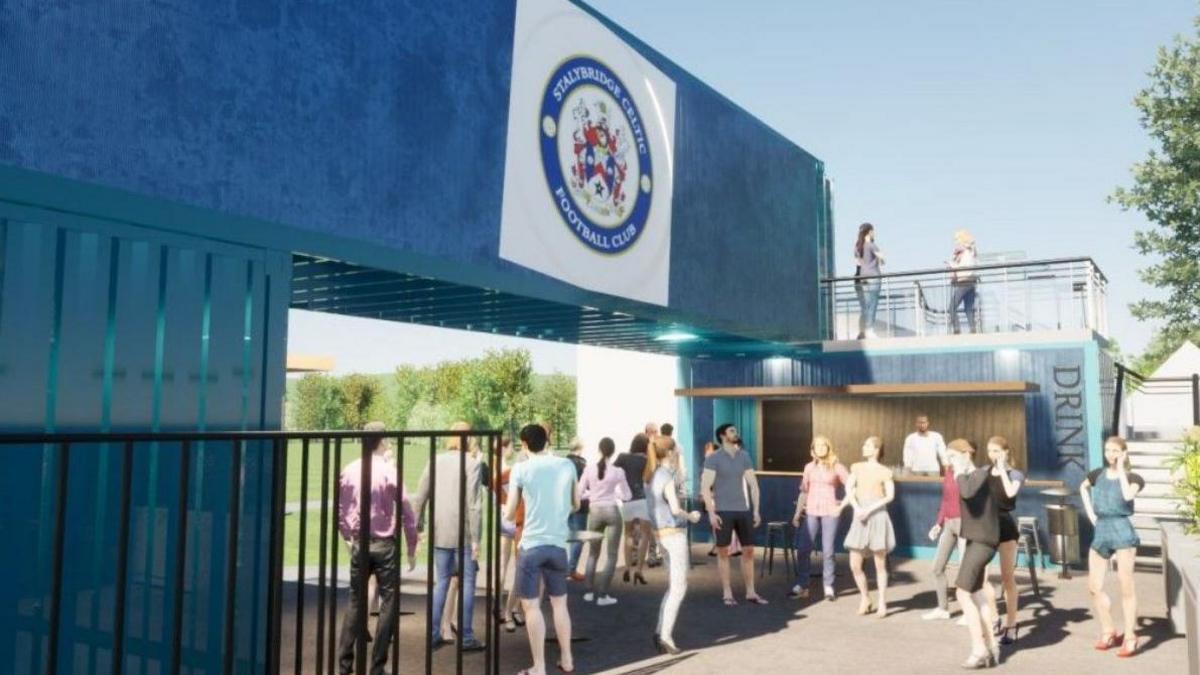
(677, 336)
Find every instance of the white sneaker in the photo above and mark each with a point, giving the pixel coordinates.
(605, 601)
(588, 597)
(870, 335)
(935, 614)
(962, 621)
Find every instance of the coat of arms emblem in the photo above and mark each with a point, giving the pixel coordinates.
(595, 155)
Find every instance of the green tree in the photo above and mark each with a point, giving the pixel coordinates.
(317, 403)
(554, 399)
(426, 416)
(359, 394)
(506, 376)
(1166, 188)
(492, 391)
(411, 387)
(445, 382)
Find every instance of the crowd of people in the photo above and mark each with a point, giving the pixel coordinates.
(634, 503)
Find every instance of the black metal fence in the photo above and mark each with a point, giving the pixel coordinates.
(312, 648)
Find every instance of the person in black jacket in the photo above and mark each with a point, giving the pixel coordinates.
(633, 512)
(980, 509)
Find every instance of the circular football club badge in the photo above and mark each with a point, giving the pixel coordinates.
(595, 155)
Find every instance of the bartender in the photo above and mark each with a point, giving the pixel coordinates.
(924, 449)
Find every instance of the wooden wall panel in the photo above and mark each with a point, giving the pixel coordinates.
(849, 421)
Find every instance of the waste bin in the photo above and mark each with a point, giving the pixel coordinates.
(1063, 522)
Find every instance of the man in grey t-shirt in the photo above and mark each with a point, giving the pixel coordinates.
(730, 493)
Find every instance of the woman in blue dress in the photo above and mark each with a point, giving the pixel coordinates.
(1108, 499)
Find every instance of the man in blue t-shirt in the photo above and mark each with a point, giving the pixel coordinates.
(547, 485)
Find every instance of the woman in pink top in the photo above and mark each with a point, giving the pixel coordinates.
(604, 487)
(823, 476)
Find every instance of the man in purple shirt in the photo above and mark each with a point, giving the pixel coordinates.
(381, 558)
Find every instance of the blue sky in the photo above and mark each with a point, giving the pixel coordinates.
(1011, 119)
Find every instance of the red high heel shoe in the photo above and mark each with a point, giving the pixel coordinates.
(1106, 643)
(1128, 648)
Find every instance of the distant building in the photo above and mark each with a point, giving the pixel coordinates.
(309, 363)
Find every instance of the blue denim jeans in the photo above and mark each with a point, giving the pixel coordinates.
(806, 535)
(445, 562)
(867, 289)
(576, 521)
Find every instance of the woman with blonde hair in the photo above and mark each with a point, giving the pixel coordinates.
(1108, 494)
(819, 506)
(868, 492)
(962, 280)
(670, 523)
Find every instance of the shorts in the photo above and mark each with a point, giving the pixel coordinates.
(1114, 533)
(542, 563)
(1008, 528)
(740, 522)
(634, 510)
(972, 570)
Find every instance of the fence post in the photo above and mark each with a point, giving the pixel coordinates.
(231, 556)
(118, 651)
(60, 516)
(275, 582)
(1116, 421)
(362, 557)
(1196, 399)
(181, 529)
(429, 559)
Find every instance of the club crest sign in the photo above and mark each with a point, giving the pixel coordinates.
(595, 155)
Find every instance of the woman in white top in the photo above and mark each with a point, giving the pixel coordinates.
(962, 280)
(670, 523)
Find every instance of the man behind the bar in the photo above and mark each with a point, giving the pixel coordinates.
(924, 449)
(446, 523)
(547, 486)
(727, 478)
(381, 557)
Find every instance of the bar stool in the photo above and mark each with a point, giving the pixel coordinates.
(777, 530)
(1028, 543)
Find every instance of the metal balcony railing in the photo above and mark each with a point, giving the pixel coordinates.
(1040, 295)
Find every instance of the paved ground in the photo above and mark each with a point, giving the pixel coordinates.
(1056, 631)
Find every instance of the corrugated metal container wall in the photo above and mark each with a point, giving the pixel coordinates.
(104, 326)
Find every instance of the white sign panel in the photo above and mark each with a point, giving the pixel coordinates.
(588, 166)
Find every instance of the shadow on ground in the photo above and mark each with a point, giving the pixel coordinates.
(1057, 630)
